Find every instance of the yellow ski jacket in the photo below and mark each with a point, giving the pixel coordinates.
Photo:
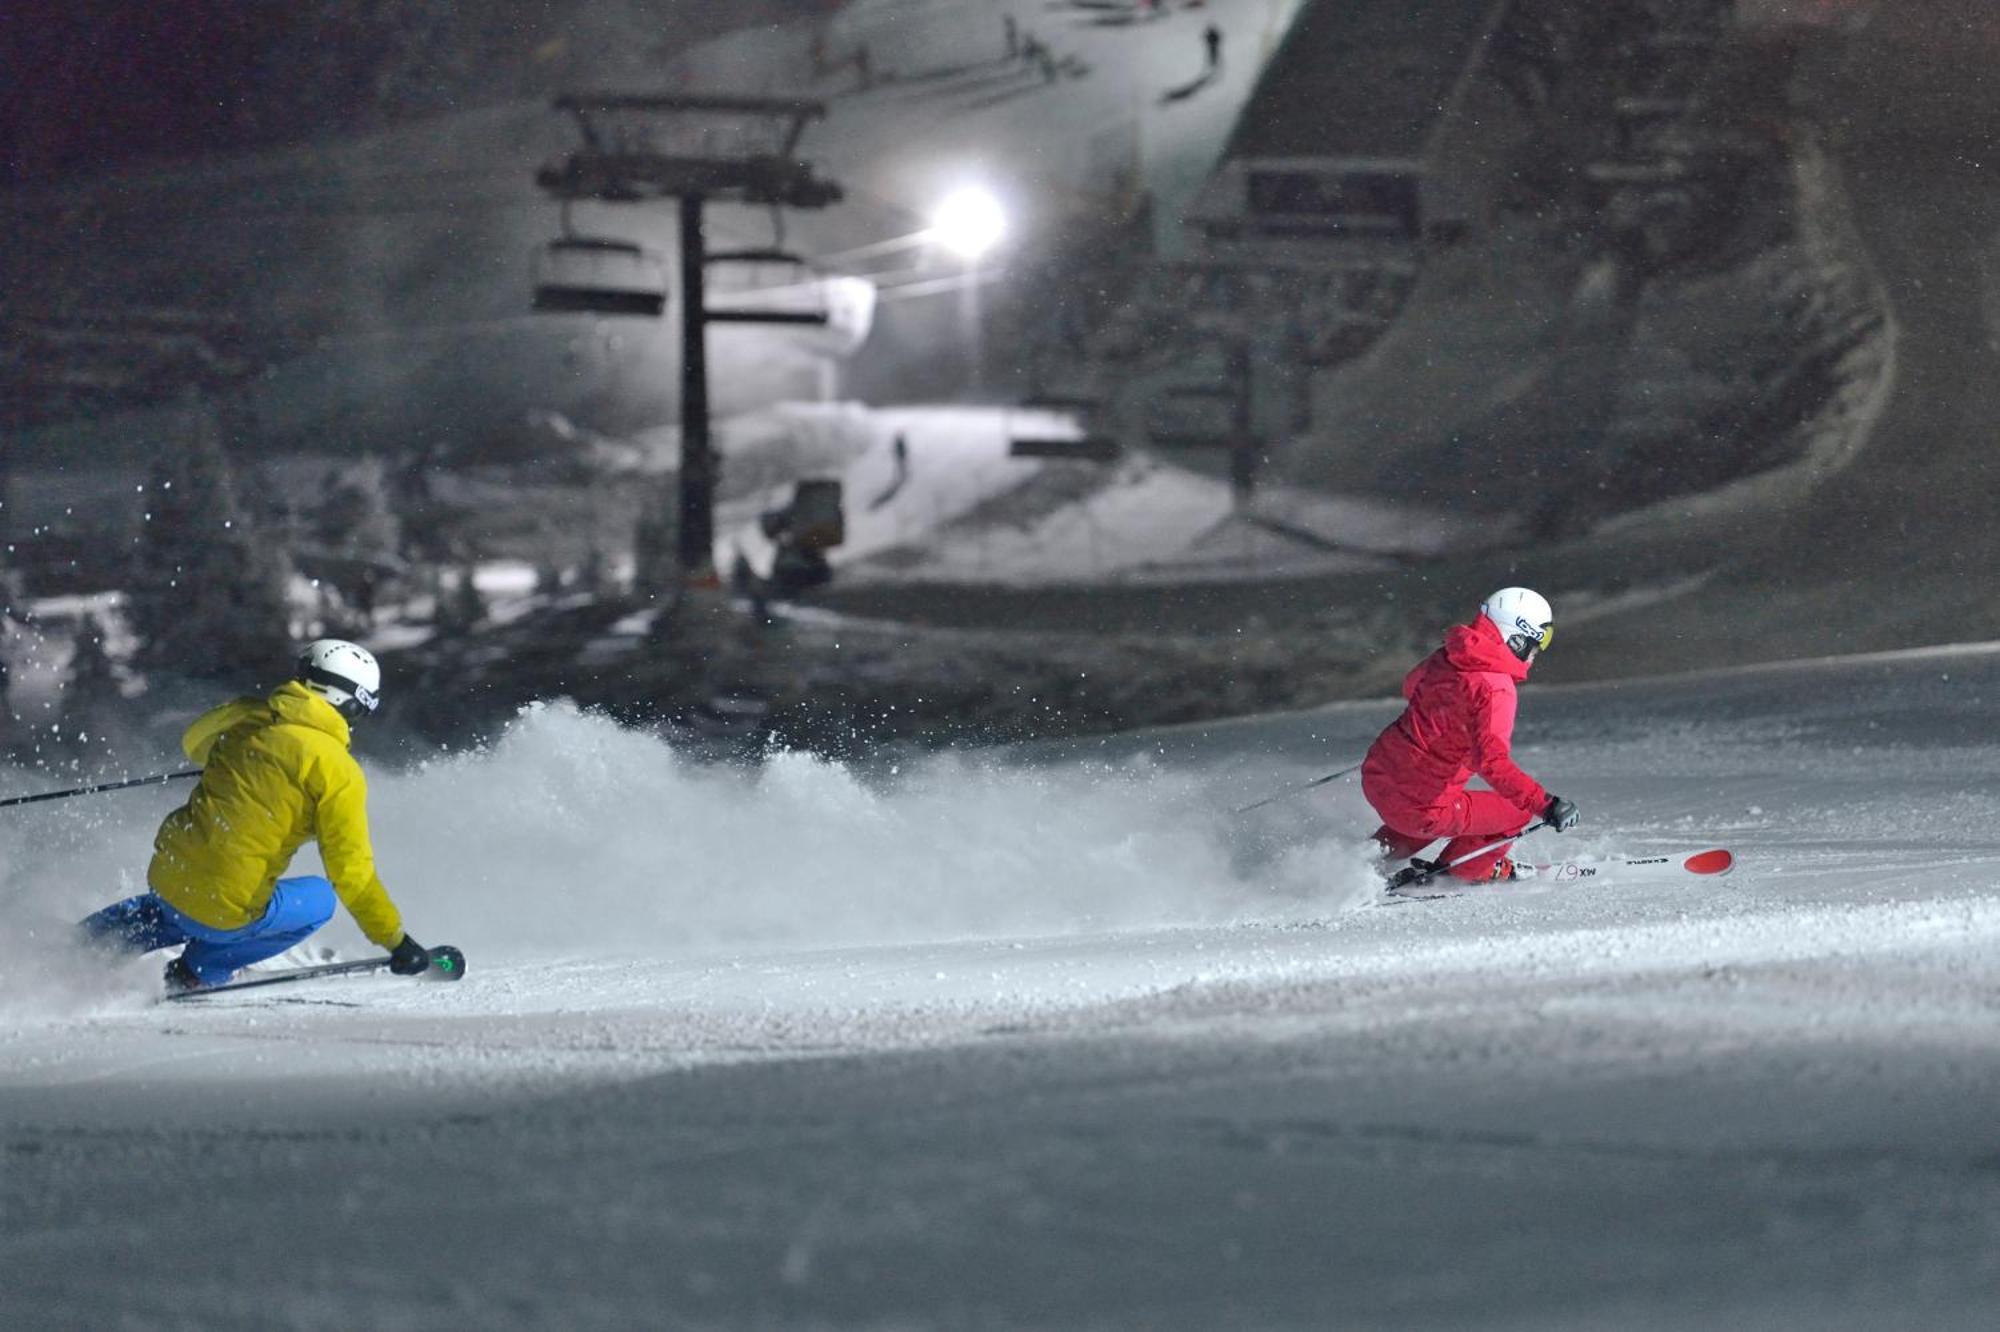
(275, 772)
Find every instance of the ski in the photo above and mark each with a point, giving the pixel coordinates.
(447, 964)
(1712, 863)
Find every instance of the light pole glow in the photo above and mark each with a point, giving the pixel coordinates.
(969, 222)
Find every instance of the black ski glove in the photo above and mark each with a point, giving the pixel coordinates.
(1560, 815)
(410, 958)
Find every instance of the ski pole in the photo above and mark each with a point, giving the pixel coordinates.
(1299, 790)
(154, 780)
(447, 963)
(1424, 873)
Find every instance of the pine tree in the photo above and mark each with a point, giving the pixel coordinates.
(97, 721)
(357, 523)
(468, 603)
(356, 518)
(207, 596)
(596, 576)
(656, 540)
(460, 606)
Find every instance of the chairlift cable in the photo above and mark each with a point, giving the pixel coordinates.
(937, 286)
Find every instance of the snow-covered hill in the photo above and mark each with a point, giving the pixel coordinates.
(1051, 1039)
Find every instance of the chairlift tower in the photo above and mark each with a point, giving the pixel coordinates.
(694, 149)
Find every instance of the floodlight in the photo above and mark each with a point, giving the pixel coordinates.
(969, 222)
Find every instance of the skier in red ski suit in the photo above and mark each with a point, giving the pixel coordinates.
(1460, 722)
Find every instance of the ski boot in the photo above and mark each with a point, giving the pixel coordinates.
(1417, 871)
(181, 979)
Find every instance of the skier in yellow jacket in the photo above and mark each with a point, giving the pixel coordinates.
(275, 773)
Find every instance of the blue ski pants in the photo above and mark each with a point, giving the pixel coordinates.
(141, 924)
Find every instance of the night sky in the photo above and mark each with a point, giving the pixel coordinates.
(86, 84)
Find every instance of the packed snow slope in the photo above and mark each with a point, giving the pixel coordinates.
(1052, 1039)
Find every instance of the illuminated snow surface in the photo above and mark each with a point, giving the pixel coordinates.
(1051, 1039)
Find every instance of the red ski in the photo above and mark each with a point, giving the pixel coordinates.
(1709, 864)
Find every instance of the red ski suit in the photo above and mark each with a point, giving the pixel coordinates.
(1460, 721)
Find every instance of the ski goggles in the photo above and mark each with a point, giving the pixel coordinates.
(1527, 642)
(1528, 639)
(359, 692)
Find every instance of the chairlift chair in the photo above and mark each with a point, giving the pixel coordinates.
(599, 275)
(840, 309)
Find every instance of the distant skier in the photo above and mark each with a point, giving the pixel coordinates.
(1460, 722)
(275, 773)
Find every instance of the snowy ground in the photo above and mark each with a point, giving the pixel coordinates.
(1052, 1040)
(961, 509)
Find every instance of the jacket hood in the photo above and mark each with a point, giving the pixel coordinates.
(1478, 647)
(293, 702)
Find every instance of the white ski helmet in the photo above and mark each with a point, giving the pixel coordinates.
(343, 673)
(1523, 618)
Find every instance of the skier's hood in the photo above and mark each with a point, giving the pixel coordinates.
(1479, 647)
(295, 703)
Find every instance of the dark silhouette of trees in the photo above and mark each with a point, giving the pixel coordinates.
(357, 519)
(206, 596)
